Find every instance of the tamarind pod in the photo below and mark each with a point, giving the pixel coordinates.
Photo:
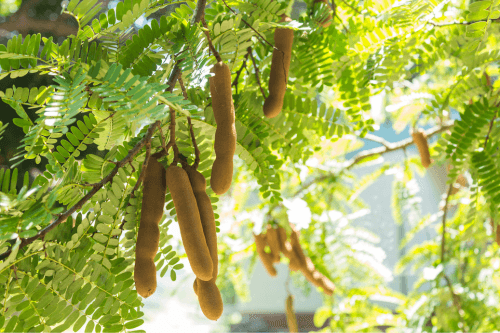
(210, 299)
(316, 278)
(420, 140)
(208, 293)
(222, 175)
(294, 263)
(274, 243)
(282, 239)
(287, 250)
(297, 249)
(329, 287)
(280, 65)
(325, 23)
(207, 217)
(148, 236)
(291, 318)
(190, 226)
(260, 244)
(225, 134)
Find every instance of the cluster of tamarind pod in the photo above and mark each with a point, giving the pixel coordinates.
(276, 239)
(420, 140)
(196, 220)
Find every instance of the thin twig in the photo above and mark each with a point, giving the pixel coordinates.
(243, 65)
(248, 24)
(199, 12)
(195, 145)
(446, 24)
(209, 40)
(350, 6)
(162, 140)
(257, 77)
(455, 298)
(193, 139)
(489, 130)
(342, 22)
(443, 234)
(141, 177)
(377, 139)
(63, 217)
(456, 302)
(171, 142)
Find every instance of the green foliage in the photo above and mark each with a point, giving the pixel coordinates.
(111, 83)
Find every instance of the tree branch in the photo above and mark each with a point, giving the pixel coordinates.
(209, 40)
(257, 78)
(243, 65)
(388, 147)
(446, 24)
(394, 146)
(63, 217)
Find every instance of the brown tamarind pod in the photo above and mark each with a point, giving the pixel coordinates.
(208, 293)
(207, 217)
(274, 243)
(280, 65)
(148, 236)
(190, 226)
(420, 140)
(297, 249)
(287, 250)
(291, 318)
(267, 261)
(316, 278)
(209, 298)
(325, 23)
(225, 134)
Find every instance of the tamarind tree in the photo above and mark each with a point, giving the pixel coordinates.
(68, 234)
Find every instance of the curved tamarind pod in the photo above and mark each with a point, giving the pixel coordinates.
(188, 216)
(297, 249)
(207, 217)
(294, 263)
(316, 278)
(325, 23)
(210, 299)
(280, 64)
(420, 140)
(282, 239)
(307, 267)
(208, 293)
(260, 244)
(274, 243)
(287, 250)
(148, 236)
(291, 318)
(225, 134)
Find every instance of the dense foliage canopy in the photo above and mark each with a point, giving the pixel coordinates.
(68, 232)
